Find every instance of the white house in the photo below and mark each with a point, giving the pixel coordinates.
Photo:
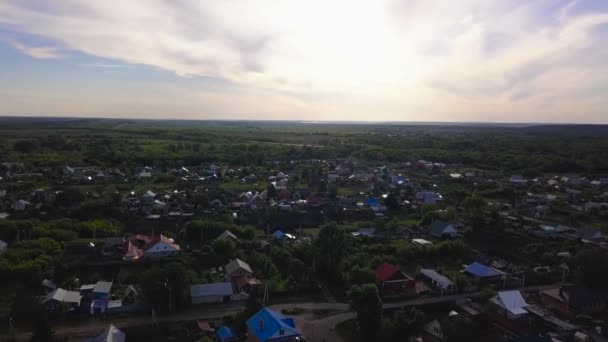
(510, 303)
(211, 293)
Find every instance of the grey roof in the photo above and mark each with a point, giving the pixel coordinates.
(87, 287)
(227, 234)
(235, 264)
(102, 287)
(441, 280)
(64, 296)
(512, 301)
(213, 289)
(112, 334)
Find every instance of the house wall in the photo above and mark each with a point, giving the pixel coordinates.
(207, 299)
(251, 336)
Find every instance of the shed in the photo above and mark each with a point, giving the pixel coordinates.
(211, 293)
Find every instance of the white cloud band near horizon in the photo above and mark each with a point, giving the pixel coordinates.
(370, 60)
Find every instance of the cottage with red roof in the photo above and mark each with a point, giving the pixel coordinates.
(392, 280)
(143, 246)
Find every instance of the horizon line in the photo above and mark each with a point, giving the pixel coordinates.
(312, 122)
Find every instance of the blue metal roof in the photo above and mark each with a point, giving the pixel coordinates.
(267, 325)
(224, 333)
(482, 271)
(371, 202)
(278, 234)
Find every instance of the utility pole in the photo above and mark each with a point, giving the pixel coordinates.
(170, 294)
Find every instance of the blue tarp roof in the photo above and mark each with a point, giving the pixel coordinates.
(266, 323)
(482, 271)
(224, 333)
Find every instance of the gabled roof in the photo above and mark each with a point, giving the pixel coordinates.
(589, 233)
(161, 238)
(438, 227)
(441, 280)
(64, 296)
(226, 234)
(386, 271)
(267, 324)
(111, 334)
(483, 271)
(236, 264)
(512, 301)
(224, 333)
(212, 289)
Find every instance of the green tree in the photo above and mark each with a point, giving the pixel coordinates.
(224, 248)
(474, 207)
(332, 243)
(366, 302)
(166, 286)
(458, 328)
(592, 268)
(42, 331)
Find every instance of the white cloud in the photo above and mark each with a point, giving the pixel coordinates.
(39, 52)
(381, 59)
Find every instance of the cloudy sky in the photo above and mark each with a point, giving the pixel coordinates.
(371, 60)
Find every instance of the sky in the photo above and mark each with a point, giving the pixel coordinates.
(314, 60)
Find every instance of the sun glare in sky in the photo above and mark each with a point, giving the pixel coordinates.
(369, 60)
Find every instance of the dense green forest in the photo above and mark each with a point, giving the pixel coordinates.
(529, 150)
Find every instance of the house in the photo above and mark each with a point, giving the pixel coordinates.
(484, 274)
(433, 329)
(442, 229)
(392, 280)
(239, 273)
(149, 196)
(438, 280)
(216, 204)
(211, 293)
(226, 234)
(267, 325)
(111, 334)
(427, 197)
(62, 299)
(589, 234)
(102, 290)
(256, 201)
(421, 242)
(226, 334)
(510, 304)
(140, 246)
(145, 174)
(365, 232)
(570, 300)
(518, 181)
(21, 205)
(280, 235)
